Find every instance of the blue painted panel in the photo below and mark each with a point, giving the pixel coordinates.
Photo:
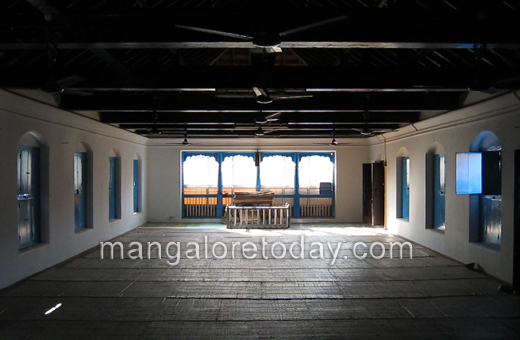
(491, 219)
(405, 197)
(468, 173)
(80, 185)
(112, 184)
(136, 186)
(28, 196)
(439, 190)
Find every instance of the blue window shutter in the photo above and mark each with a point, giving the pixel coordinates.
(136, 185)
(112, 184)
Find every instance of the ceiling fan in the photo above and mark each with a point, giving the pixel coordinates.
(333, 142)
(185, 142)
(269, 41)
(154, 130)
(53, 84)
(269, 118)
(262, 96)
(367, 131)
(57, 86)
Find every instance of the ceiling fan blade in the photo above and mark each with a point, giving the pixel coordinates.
(384, 130)
(69, 81)
(316, 24)
(210, 31)
(292, 97)
(273, 49)
(332, 143)
(77, 92)
(273, 116)
(370, 132)
(259, 91)
(507, 84)
(234, 95)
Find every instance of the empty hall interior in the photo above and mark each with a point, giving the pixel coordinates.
(361, 122)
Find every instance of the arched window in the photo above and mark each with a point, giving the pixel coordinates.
(114, 186)
(136, 184)
(238, 171)
(403, 184)
(29, 190)
(200, 172)
(436, 187)
(200, 186)
(314, 172)
(80, 190)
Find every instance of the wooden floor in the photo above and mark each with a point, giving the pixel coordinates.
(426, 297)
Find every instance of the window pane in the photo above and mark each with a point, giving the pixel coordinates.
(312, 171)
(80, 202)
(469, 173)
(200, 171)
(239, 172)
(277, 174)
(405, 188)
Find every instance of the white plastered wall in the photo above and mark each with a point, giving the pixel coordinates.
(164, 181)
(455, 132)
(62, 133)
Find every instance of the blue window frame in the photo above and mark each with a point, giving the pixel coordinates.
(113, 189)
(28, 196)
(80, 192)
(210, 179)
(403, 187)
(136, 186)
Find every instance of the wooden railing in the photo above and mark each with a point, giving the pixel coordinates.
(250, 217)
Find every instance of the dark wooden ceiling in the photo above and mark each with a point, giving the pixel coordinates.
(361, 67)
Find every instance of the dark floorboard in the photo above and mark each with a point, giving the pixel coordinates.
(427, 296)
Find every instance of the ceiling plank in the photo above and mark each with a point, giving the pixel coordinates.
(290, 118)
(249, 45)
(321, 102)
(407, 78)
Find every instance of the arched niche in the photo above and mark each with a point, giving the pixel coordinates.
(403, 152)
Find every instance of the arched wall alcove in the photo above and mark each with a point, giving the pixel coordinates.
(33, 189)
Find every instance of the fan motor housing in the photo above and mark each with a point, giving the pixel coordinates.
(266, 40)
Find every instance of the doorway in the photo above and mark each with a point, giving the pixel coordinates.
(374, 193)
